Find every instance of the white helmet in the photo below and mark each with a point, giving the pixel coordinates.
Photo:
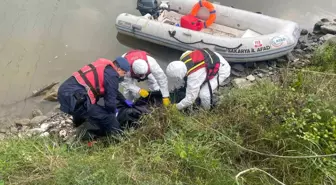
(176, 69)
(140, 67)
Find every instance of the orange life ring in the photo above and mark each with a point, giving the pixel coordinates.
(211, 9)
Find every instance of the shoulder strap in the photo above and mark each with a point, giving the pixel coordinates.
(210, 57)
(95, 91)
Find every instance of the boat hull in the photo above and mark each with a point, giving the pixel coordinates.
(279, 37)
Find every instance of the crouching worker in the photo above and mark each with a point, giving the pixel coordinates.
(144, 68)
(79, 94)
(202, 71)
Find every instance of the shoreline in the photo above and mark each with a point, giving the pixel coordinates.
(242, 76)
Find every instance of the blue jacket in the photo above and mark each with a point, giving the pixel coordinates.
(111, 86)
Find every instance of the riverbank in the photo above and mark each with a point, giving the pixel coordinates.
(242, 75)
(270, 113)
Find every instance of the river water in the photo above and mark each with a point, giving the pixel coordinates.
(45, 41)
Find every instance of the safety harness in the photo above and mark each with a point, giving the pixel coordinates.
(91, 76)
(95, 90)
(200, 58)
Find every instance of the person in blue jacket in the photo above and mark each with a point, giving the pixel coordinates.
(79, 94)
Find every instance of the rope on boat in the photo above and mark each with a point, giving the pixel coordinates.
(173, 33)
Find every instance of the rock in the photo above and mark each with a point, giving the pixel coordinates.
(24, 128)
(250, 64)
(46, 126)
(327, 37)
(2, 136)
(270, 73)
(237, 73)
(54, 130)
(296, 63)
(36, 112)
(304, 32)
(69, 121)
(324, 20)
(51, 95)
(290, 57)
(260, 75)
(63, 133)
(45, 134)
(22, 122)
(306, 61)
(304, 46)
(299, 51)
(308, 56)
(317, 27)
(303, 39)
(262, 65)
(224, 83)
(314, 44)
(238, 67)
(310, 48)
(329, 28)
(281, 60)
(241, 83)
(272, 63)
(37, 120)
(250, 78)
(35, 131)
(14, 130)
(3, 130)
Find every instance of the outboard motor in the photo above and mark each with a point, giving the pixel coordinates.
(148, 6)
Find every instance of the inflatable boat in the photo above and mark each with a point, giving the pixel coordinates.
(238, 35)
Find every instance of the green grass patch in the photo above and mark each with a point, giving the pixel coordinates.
(251, 128)
(324, 58)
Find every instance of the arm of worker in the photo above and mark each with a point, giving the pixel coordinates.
(152, 83)
(194, 83)
(159, 76)
(111, 86)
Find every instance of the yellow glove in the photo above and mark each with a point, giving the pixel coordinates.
(143, 93)
(166, 101)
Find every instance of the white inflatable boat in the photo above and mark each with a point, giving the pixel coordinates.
(238, 35)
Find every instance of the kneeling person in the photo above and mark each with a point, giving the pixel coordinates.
(144, 68)
(203, 70)
(79, 94)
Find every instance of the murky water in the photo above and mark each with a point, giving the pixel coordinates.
(45, 41)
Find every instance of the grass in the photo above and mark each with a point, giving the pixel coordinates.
(289, 118)
(324, 59)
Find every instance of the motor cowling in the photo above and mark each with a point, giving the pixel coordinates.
(147, 6)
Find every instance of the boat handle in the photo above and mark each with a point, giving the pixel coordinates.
(187, 34)
(136, 27)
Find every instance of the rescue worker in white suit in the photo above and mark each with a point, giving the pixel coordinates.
(200, 70)
(144, 68)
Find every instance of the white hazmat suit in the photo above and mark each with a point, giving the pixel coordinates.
(195, 81)
(157, 79)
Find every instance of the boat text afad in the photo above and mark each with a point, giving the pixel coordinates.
(252, 50)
